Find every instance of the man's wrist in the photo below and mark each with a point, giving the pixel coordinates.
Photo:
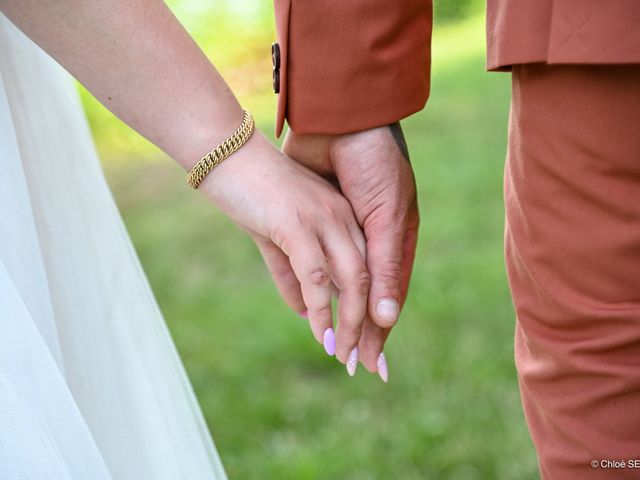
(398, 136)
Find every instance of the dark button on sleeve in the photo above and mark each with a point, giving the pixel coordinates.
(275, 57)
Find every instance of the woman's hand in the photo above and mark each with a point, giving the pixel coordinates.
(307, 234)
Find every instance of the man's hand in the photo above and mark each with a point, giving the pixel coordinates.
(373, 172)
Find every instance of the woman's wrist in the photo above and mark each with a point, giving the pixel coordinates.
(248, 162)
(195, 138)
(223, 150)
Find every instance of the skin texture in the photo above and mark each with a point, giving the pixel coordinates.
(374, 174)
(137, 59)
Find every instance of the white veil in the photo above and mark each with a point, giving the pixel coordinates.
(91, 386)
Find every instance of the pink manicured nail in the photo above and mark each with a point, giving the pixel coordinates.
(352, 362)
(382, 368)
(304, 314)
(329, 341)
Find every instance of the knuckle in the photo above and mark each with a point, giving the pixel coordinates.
(386, 222)
(343, 208)
(388, 273)
(302, 217)
(325, 209)
(352, 328)
(320, 277)
(322, 313)
(335, 210)
(280, 237)
(362, 282)
(280, 273)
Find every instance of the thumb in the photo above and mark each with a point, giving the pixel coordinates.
(385, 245)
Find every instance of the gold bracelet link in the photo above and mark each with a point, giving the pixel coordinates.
(212, 159)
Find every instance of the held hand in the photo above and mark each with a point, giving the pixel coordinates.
(373, 171)
(306, 232)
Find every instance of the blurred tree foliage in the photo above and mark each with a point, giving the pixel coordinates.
(445, 11)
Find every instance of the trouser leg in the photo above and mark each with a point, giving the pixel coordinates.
(572, 243)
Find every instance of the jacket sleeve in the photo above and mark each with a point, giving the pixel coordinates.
(349, 65)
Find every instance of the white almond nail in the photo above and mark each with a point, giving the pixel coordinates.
(382, 368)
(352, 362)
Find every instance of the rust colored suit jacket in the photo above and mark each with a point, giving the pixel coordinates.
(349, 65)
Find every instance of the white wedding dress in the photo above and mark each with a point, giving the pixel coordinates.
(91, 386)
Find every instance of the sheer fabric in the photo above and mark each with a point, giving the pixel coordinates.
(91, 386)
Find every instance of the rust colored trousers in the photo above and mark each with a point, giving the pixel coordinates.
(572, 244)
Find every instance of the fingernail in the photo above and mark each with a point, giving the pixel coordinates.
(388, 309)
(352, 362)
(382, 368)
(304, 314)
(329, 341)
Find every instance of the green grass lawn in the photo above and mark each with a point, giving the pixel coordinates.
(277, 405)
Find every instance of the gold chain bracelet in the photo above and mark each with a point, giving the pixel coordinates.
(222, 151)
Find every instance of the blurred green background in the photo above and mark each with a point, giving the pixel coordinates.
(278, 407)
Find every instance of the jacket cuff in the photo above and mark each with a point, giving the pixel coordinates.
(347, 66)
